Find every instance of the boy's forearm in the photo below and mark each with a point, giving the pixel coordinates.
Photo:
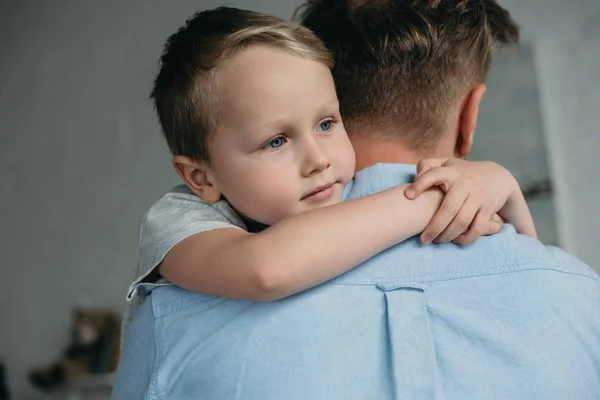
(300, 251)
(516, 212)
(313, 247)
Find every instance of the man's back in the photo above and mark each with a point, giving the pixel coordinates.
(505, 318)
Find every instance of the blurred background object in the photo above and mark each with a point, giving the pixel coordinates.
(4, 393)
(82, 159)
(91, 354)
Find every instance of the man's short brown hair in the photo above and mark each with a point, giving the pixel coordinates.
(184, 91)
(403, 65)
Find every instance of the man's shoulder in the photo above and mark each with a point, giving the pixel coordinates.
(565, 262)
(505, 252)
(523, 252)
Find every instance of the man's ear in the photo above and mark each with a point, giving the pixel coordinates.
(197, 177)
(468, 121)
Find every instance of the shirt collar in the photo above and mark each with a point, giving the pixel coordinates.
(379, 177)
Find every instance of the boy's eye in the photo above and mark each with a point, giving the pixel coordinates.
(325, 125)
(276, 143)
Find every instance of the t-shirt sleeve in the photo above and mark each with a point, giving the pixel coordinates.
(173, 218)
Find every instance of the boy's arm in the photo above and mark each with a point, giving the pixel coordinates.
(516, 212)
(300, 251)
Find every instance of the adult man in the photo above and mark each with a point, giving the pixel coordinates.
(503, 318)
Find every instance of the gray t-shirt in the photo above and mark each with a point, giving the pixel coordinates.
(175, 216)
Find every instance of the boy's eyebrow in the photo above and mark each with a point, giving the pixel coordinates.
(331, 103)
(325, 106)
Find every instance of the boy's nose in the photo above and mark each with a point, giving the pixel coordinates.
(315, 160)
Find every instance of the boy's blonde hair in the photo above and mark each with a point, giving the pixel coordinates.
(184, 91)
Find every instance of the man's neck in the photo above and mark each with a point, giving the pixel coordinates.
(369, 153)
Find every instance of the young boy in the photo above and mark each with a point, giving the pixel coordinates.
(249, 110)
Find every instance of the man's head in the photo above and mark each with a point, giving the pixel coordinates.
(411, 71)
(248, 107)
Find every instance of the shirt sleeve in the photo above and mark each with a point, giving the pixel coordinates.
(176, 216)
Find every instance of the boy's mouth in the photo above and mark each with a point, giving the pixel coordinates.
(320, 193)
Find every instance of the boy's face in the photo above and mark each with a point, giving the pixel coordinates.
(280, 147)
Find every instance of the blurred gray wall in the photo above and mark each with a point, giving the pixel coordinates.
(566, 44)
(81, 157)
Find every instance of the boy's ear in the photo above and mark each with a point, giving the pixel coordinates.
(468, 121)
(197, 177)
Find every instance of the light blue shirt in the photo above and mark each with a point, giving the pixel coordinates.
(505, 318)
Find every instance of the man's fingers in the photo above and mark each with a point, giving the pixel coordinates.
(434, 177)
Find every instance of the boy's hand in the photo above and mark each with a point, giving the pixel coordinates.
(475, 192)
